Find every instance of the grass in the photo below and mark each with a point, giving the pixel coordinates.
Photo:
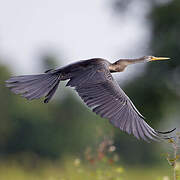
(102, 164)
(74, 169)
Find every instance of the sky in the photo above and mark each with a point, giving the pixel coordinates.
(72, 30)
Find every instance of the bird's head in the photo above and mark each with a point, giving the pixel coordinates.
(121, 64)
(153, 58)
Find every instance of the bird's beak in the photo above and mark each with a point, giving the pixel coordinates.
(159, 58)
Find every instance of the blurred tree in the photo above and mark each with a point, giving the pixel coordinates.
(6, 128)
(48, 61)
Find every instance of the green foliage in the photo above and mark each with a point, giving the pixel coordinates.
(102, 164)
(174, 156)
(74, 169)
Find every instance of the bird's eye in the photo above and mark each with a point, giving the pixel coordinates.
(150, 58)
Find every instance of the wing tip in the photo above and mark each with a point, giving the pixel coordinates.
(166, 132)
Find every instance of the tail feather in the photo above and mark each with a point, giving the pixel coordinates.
(23, 87)
(41, 85)
(20, 82)
(34, 86)
(41, 90)
(25, 78)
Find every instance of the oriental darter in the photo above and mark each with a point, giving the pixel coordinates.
(96, 86)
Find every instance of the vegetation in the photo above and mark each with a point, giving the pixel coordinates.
(104, 164)
(71, 170)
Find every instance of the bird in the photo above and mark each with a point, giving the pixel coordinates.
(94, 83)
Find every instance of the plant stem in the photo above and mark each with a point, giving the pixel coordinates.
(175, 159)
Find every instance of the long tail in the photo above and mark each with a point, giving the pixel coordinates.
(35, 86)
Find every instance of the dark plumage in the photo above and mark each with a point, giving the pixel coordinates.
(94, 83)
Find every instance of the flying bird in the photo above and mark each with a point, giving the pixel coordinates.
(96, 86)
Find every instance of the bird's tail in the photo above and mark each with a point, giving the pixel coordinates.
(35, 86)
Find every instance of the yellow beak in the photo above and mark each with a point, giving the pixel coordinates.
(159, 58)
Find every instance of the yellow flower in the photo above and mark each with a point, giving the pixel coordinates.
(119, 170)
(77, 162)
(177, 168)
(112, 148)
(165, 178)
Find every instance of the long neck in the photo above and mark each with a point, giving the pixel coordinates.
(121, 64)
(132, 61)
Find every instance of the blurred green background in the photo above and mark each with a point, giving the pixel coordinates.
(65, 140)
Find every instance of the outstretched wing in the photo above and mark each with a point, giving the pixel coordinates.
(102, 93)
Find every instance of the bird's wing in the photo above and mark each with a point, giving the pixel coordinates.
(101, 92)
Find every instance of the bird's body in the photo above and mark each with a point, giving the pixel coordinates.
(94, 83)
(83, 65)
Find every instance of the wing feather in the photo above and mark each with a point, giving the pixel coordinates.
(102, 93)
